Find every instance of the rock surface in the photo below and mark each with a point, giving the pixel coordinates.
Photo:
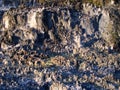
(60, 48)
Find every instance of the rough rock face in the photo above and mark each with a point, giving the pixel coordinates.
(67, 26)
(8, 21)
(60, 48)
(106, 27)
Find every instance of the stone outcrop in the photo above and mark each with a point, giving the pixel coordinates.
(46, 48)
(66, 26)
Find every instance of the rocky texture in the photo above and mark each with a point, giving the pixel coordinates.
(60, 48)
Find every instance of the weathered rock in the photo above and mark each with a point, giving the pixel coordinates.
(66, 26)
(8, 21)
(57, 86)
(41, 46)
(106, 27)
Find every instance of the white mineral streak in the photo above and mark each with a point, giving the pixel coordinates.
(77, 41)
(105, 27)
(104, 24)
(32, 17)
(32, 20)
(112, 1)
(6, 22)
